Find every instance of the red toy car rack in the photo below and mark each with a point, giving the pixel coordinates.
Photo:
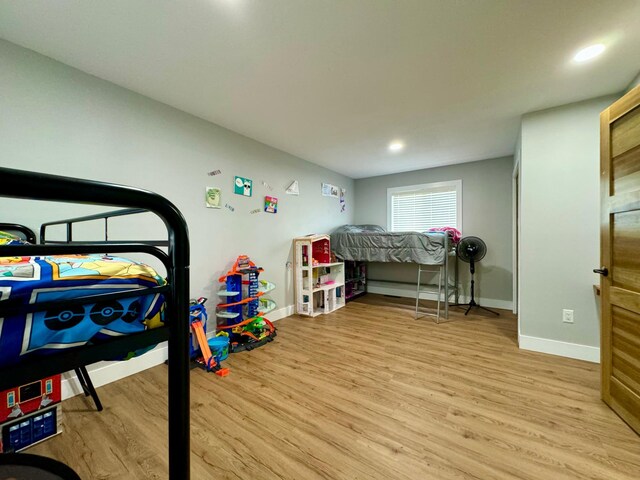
(30, 413)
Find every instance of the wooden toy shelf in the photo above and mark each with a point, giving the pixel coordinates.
(318, 282)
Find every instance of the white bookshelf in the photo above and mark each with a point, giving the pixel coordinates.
(318, 282)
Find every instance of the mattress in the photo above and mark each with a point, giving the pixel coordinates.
(372, 243)
(28, 280)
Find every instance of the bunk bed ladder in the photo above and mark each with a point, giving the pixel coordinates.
(443, 283)
(419, 290)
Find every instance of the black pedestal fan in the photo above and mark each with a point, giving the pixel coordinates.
(471, 250)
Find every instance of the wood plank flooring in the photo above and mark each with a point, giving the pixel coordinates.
(366, 393)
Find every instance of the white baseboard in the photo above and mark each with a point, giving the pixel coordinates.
(563, 349)
(106, 372)
(281, 313)
(409, 291)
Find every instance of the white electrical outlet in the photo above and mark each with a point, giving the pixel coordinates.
(567, 316)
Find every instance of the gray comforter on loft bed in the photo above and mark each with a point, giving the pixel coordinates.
(372, 243)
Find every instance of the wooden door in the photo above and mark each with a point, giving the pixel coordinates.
(620, 256)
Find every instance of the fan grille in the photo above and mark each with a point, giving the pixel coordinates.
(471, 249)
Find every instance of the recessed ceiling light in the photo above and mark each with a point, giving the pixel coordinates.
(396, 146)
(588, 53)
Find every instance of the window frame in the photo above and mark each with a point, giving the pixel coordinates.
(457, 184)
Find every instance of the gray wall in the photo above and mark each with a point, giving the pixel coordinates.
(560, 238)
(634, 83)
(486, 213)
(56, 119)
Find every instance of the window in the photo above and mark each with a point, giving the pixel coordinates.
(420, 207)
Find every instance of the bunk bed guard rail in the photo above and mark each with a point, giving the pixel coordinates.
(38, 186)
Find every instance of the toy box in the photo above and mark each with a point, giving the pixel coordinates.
(30, 429)
(19, 401)
(30, 413)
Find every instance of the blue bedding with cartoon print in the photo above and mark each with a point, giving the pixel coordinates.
(25, 280)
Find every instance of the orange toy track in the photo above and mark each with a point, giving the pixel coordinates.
(248, 321)
(209, 361)
(241, 324)
(241, 302)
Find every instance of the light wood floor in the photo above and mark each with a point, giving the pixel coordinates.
(366, 393)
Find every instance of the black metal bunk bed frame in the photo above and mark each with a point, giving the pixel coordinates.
(29, 235)
(38, 186)
(84, 379)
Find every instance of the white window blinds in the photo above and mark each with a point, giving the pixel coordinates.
(422, 207)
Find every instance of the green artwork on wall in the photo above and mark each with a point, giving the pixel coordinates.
(243, 186)
(212, 197)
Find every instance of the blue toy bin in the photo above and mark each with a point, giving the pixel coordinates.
(219, 347)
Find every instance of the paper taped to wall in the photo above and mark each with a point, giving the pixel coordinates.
(329, 190)
(293, 189)
(212, 197)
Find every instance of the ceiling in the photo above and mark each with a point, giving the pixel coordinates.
(334, 81)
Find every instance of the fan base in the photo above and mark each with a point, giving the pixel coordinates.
(473, 304)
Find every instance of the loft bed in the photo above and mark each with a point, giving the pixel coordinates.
(430, 251)
(174, 328)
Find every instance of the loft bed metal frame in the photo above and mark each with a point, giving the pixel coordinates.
(20, 184)
(84, 379)
(441, 269)
(443, 285)
(68, 223)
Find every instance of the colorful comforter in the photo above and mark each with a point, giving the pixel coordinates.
(25, 280)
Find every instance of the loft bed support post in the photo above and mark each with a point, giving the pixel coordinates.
(456, 279)
(418, 290)
(446, 276)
